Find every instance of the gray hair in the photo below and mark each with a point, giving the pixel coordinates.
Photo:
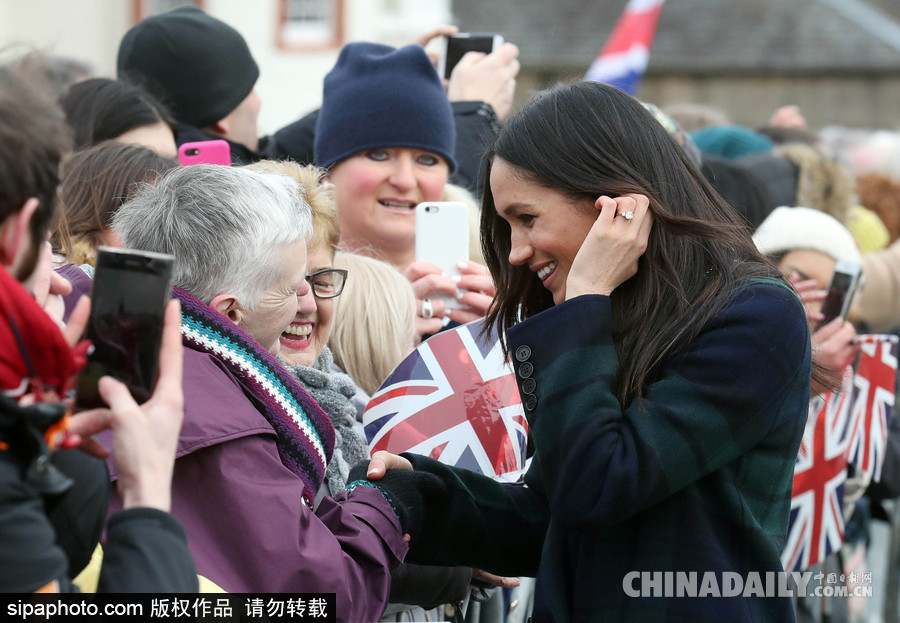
(224, 225)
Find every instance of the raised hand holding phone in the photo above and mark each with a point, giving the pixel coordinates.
(841, 291)
(457, 45)
(144, 436)
(128, 298)
(488, 78)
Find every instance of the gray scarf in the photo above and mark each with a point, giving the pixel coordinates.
(333, 390)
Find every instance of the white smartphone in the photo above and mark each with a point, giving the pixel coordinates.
(456, 46)
(843, 286)
(442, 237)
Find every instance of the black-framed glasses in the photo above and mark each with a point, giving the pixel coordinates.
(328, 282)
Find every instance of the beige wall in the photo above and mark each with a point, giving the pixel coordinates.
(88, 30)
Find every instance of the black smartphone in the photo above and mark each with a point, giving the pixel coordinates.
(456, 46)
(840, 292)
(128, 300)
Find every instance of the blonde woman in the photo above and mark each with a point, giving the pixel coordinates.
(375, 324)
(302, 343)
(385, 158)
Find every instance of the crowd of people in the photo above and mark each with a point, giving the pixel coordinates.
(655, 275)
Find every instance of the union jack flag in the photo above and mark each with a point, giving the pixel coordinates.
(623, 60)
(816, 525)
(454, 399)
(873, 388)
(848, 426)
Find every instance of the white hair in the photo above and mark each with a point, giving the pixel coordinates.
(224, 225)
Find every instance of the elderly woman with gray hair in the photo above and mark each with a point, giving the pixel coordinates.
(254, 445)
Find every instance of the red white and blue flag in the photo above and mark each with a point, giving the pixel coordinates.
(873, 387)
(849, 426)
(455, 399)
(623, 60)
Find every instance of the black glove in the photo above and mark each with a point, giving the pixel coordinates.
(409, 493)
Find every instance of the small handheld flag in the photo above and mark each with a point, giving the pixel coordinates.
(454, 399)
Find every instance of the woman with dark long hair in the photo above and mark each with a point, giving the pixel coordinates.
(94, 183)
(102, 109)
(664, 369)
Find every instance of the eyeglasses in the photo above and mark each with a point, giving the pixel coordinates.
(328, 282)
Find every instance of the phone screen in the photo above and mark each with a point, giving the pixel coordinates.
(458, 46)
(837, 295)
(128, 299)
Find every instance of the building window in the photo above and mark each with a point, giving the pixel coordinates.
(146, 8)
(310, 24)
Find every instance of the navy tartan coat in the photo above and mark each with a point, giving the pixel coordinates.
(695, 478)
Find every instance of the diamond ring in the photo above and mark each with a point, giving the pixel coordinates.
(628, 214)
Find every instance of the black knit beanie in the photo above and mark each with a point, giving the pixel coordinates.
(199, 65)
(377, 97)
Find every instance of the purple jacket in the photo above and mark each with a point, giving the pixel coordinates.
(81, 286)
(246, 523)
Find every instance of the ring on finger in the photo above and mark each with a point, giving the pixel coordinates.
(628, 214)
(427, 309)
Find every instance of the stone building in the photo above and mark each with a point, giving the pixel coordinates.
(839, 60)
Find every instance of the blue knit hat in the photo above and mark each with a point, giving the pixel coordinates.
(376, 97)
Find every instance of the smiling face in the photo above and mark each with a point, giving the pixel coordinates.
(280, 301)
(376, 194)
(304, 339)
(547, 228)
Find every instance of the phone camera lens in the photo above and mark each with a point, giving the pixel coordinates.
(430, 209)
(192, 152)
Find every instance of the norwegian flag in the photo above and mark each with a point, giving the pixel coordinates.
(623, 60)
(845, 427)
(455, 399)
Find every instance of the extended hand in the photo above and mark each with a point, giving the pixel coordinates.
(383, 461)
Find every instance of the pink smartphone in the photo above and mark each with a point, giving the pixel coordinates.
(205, 152)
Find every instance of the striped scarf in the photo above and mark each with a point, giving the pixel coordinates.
(304, 434)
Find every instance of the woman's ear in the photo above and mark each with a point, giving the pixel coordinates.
(219, 128)
(15, 233)
(227, 305)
